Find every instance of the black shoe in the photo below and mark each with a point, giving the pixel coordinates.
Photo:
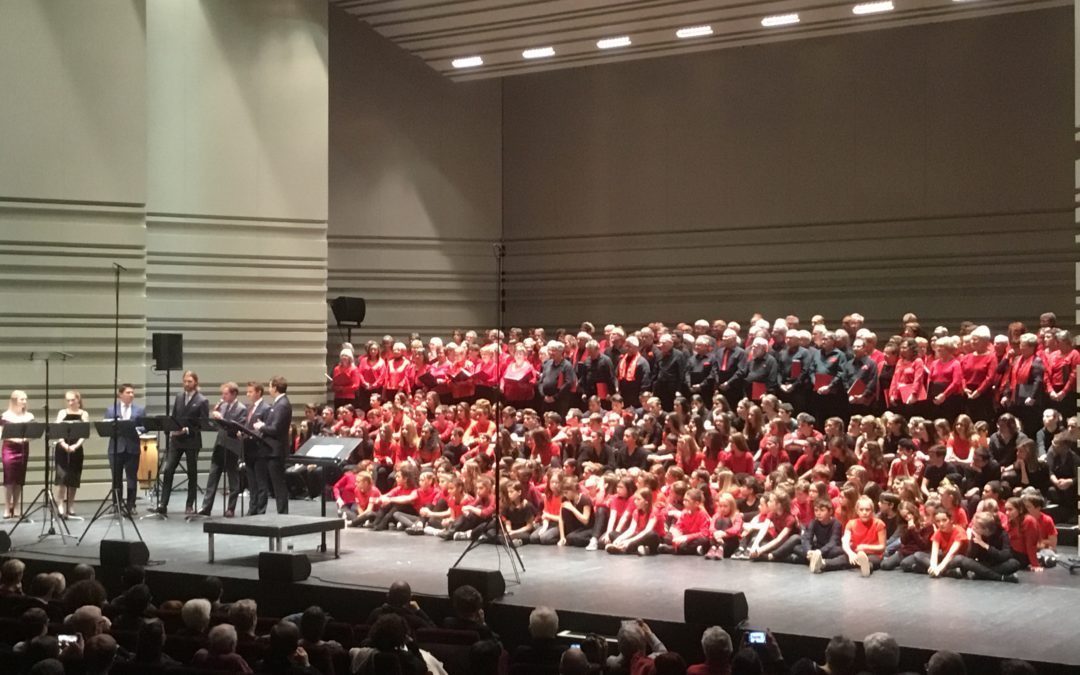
(1010, 578)
(445, 534)
(666, 548)
(203, 512)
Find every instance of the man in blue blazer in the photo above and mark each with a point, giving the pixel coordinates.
(124, 449)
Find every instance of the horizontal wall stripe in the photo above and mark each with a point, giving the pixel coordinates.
(78, 204)
(163, 217)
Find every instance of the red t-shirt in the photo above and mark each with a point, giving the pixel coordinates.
(789, 521)
(364, 498)
(945, 541)
(695, 523)
(869, 534)
(738, 464)
(1046, 526)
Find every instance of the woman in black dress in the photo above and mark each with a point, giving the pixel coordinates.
(68, 454)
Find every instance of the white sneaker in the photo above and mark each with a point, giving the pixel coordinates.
(863, 562)
(593, 545)
(641, 550)
(432, 531)
(817, 564)
(461, 536)
(517, 543)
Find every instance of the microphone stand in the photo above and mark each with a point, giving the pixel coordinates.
(502, 538)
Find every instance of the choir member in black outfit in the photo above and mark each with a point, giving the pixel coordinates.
(557, 380)
(861, 380)
(632, 372)
(829, 397)
(700, 375)
(729, 358)
(670, 371)
(794, 361)
(597, 373)
(759, 374)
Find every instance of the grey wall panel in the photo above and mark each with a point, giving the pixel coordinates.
(415, 202)
(918, 169)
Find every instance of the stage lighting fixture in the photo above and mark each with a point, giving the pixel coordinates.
(468, 62)
(780, 20)
(538, 53)
(872, 7)
(612, 43)
(694, 31)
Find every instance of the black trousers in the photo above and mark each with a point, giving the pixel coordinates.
(226, 461)
(191, 467)
(270, 474)
(988, 572)
(126, 463)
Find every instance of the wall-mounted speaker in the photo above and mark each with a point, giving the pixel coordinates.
(168, 350)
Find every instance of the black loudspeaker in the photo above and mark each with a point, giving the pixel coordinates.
(490, 583)
(710, 607)
(5, 542)
(118, 554)
(287, 567)
(168, 351)
(348, 311)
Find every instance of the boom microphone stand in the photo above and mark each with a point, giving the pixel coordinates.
(48, 505)
(502, 539)
(113, 503)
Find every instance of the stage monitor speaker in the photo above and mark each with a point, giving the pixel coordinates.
(490, 583)
(283, 566)
(5, 542)
(118, 554)
(168, 349)
(711, 607)
(348, 311)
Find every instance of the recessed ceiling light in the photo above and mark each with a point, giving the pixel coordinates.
(873, 7)
(694, 31)
(612, 43)
(468, 62)
(780, 20)
(538, 53)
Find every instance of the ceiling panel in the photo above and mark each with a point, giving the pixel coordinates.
(439, 31)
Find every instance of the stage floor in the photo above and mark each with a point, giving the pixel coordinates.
(1034, 620)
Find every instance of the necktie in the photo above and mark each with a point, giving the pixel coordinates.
(251, 413)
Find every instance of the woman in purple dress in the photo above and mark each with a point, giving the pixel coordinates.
(15, 452)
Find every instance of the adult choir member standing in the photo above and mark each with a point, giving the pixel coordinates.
(15, 453)
(189, 409)
(598, 374)
(861, 379)
(68, 456)
(270, 463)
(345, 379)
(979, 370)
(728, 360)
(1061, 374)
(1024, 387)
(945, 381)
(700, 378)
(371, 376)
(759, 374)
(829, 397)
(519, 380)
(907, 391)
(557, 380)
(632, 372)
(124, 449)
(670, 371)
(256, 413)
(227, 447)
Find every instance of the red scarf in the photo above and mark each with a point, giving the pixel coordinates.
(628, 367)
(1021, 370)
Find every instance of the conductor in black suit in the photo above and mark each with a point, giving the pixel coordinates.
(189, 408)
(256, 412)
(227, 448)
(270, 463)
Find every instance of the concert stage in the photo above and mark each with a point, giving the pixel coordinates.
(1035, 620)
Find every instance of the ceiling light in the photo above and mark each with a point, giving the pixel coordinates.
(780, 20)
(873, 7)
(538, 53)
(468, 62)
(695, 31)
(612, 43)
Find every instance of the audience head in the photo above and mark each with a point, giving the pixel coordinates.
(133, 575)
(150, 640)
(840, 655)
(746, 662)
(543, 623)
(946, 663)
(82, 572)
(313, 623)
(1016, 667)
(42, 647)
(243, 615)
(196, 614)
(136, 600)
(222, 639)
(484, 657)
(34, 622)
(50, 666)
(85, 592)
(716, 645)
(574, 662)
(882, 653)
(88, 621)
(11, 573)
(285, 637)
(468, 603)
(388, 633)
(99, 652)
(210, 588)
(399, 594)
(669, 663)
(631, 639)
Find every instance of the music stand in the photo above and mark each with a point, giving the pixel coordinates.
(325, 451)
(29, 431)
(70, 432)
(158, 424)
(112, 504)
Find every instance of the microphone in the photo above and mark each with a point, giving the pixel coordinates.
(119, 266)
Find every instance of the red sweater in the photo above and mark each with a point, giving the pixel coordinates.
(372, 375)
(908, 378)
(948, 374)
(694, 523)
(737, 465)
(345, 381)
(979, 371)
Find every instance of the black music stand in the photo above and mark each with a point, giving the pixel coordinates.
(241, 430)
(30, 431)
(325, 451)
(158, 424)
(112, 504)
(68, 431)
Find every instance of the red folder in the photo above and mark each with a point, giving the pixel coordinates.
(796, 369)
(601, 391)
(757, 390)
(858, 388)
(906, 391)
(822, 380)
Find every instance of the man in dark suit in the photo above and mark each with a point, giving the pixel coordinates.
(189, 409)
(256, 412)
(270, 464)
(124, 450)
(727, 362)
(226, 450)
